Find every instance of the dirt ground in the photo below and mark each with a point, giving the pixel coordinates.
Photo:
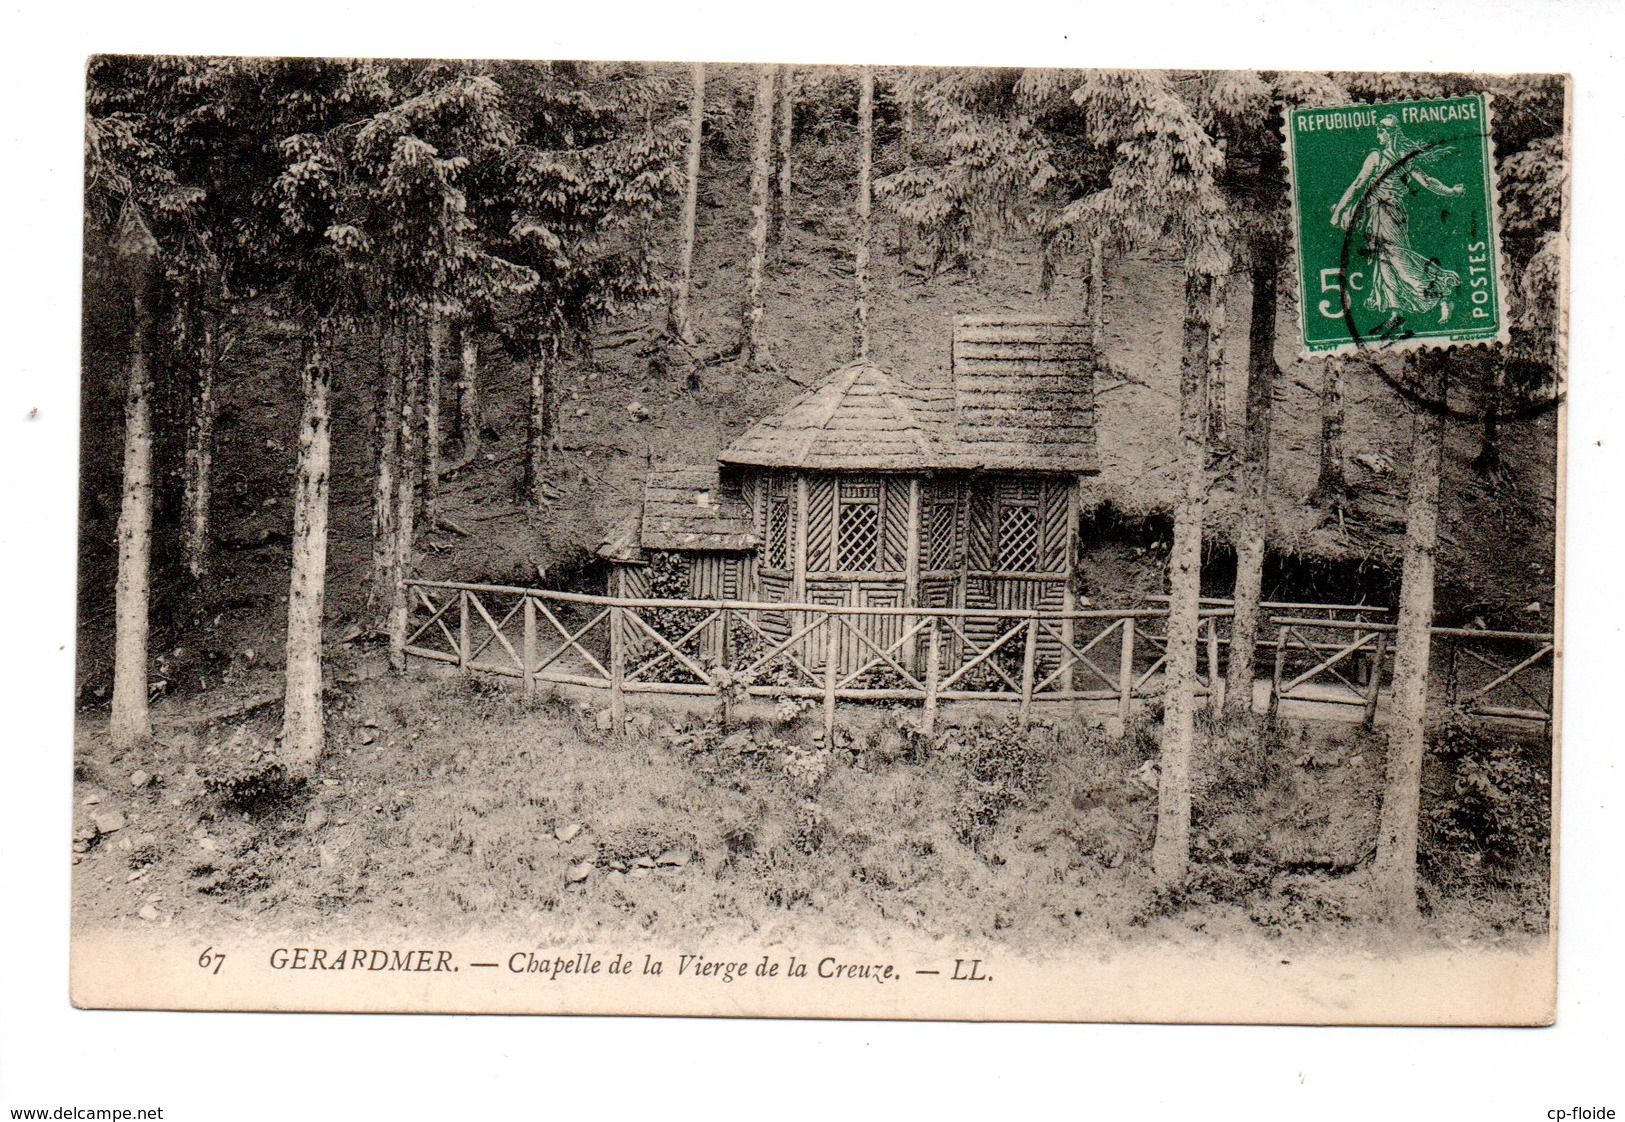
(447, 802)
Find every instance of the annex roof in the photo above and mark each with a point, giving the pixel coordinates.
(684, 507)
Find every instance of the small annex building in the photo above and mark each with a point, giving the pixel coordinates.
(867, 490)
(703, 533)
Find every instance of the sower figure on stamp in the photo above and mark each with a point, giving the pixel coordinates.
(1402, 280)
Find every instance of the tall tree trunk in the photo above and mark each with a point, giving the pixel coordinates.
(787, 125)
(408, 486)
(1218, 392)
(469, 422)
(866, 145)
(680, 324)
(1253, 479)
(129, 723)
(752, 344)
(1395, 866)
(1331, 488)
(387, 435)
(1170, 852)
(195, 496)
(538, 423)
(905, 238)
(1097, 292)
(1488, 460)
(302, 722)
(433, 378)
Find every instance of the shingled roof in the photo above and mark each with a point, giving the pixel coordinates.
(859, 417)
(1024, 395)
(1022, 399)
(684, 507)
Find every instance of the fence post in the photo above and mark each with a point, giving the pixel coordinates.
(464, 643)
(1280, 667)
(1376, 680)
(529, 650)
(1451, 685)
(1029, 669)
(831, 669)
(1125, 672)
(933, 667)
(617, 669)
(724, 643)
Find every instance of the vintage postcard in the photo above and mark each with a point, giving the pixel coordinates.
(820, 541)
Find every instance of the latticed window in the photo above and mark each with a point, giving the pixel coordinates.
(1018, 538)
(779, 544)
(857, 530)
(778, 533)
(940, 528)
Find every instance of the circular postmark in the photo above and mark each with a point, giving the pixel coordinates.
(1377, 218)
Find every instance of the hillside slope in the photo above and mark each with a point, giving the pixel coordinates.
(1498, 551)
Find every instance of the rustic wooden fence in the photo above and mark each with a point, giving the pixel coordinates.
(832, 653)
(824, 652)
(1507, 674)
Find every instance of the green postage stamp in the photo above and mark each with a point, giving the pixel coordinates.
(1394, 212)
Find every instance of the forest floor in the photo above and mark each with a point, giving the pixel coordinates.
(446, 802)
(442, 802)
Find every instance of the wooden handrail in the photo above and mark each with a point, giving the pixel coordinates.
(639, 646)
(1279, 605)
(799, 606)
(1445, 632)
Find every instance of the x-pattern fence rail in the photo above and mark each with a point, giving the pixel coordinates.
(1488, 673)
(926, 655)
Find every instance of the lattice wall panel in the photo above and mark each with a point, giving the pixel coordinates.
(941, 529)
(820, 523)
(1056, 529)
(979, 535)
(752, 493)
(894, 551)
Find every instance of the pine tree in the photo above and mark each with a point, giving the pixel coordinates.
(303, 733)
(574, 204)
(360, 163)
(1162, 185)
(1245, 110)
(681, 324)
(1170, 850)
(409, 486)
(1394, 870)
(1252, 479)
(1331, 484)
(142, 213)
(753, 346)
(977, 168)
(434, 375)
(130, 723)
(787, 123)
(469, 419)
(1217, 387)
(864, 234)
(387, 461)
(206, 346)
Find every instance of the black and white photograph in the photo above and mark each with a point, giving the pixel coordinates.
(857, 541)
(1055, 560)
